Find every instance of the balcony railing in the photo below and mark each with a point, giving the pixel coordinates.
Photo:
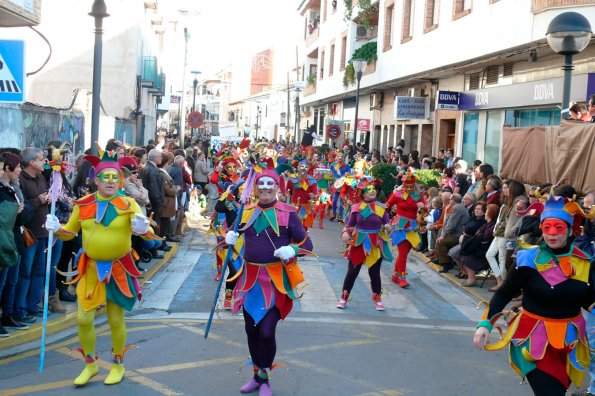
(543, 5)
(159, 88)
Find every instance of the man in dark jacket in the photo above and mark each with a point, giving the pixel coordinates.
(175, 172)
(152, 182)
(453, 228)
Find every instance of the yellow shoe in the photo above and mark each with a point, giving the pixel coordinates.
(116, 373)
(88, 372)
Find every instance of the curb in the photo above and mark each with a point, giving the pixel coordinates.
(69, 320)
(451, 278)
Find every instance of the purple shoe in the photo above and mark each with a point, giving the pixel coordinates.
(265, 390)
(250, 386)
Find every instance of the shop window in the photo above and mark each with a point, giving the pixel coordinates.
(470, 131)
(533, 117)
(491, 150)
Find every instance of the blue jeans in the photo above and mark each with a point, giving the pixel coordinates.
(337, 201)
(591, 339)
(8, 283)
(31, 278)
(151, 244)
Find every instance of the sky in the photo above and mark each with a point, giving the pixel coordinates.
(225, 30)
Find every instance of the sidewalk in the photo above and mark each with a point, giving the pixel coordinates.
(481, 293)
(59, 322)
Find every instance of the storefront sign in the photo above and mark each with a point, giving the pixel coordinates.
(448, 100)
(333, 131)
(541, 92)
(363, 124)
(411, 108)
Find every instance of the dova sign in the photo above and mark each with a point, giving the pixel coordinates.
(448, 100)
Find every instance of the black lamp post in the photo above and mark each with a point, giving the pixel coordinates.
(194, 85)
(358, 65)
(568, 34)
(257, 121)
(98, 11)
(299, 85)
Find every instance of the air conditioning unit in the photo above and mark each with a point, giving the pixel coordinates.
(376, 100)
(363, 33)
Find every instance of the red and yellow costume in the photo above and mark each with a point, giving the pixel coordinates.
(304, 192)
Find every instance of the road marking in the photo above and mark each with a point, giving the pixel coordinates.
(190, 365)
(318, 296)
(330, 346)
(397, 300)
(37, 388)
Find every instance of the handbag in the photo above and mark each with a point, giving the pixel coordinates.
(28, 237)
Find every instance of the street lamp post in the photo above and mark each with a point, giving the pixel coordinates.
(299, 85)
(358, 65)
(257, 120)
(194, 85)
(98, 11)
(568, 34)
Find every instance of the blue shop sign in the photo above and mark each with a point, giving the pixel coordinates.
(410, 107)
(448, 100)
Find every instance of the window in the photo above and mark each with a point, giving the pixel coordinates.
(343, 52)
(387, 42)
(331, 63)
(407, 30)
(321, 76)
(507, 70)
(474, 81)
(491, 148)
(324, 8)
(532, 117)
(492, 73)
(461, 8)
(470, 130)
(431, 19)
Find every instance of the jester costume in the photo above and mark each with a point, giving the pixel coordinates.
(266, 286)
(106, 271)
(304, 192)
(546, 338)
(369, 244)
(323, 203)
(405, 233)
(338, 169)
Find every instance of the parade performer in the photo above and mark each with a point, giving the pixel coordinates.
(225, 177)
(366, 235)
(266, 284)
(227, 206)
(546, 339)
(303, 191)
(349, 192)
(323, 178)
(405, 233)
(106, 271)
(338, 169)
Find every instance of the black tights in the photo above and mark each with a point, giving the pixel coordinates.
(261, 339)
(353, 272)
(544, 384)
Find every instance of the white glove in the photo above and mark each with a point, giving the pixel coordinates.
(284, 253)
(52, 223)
(140, 224)
(231, 237)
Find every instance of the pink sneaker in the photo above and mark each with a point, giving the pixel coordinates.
(377, 302)
(343, 301)
(250, 386)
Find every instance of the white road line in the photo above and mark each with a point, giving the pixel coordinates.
(318, 295)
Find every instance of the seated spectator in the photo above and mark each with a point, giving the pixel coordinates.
(475, 222)
(473, 249)
(453, 229)
(469, 202)
(492, 191)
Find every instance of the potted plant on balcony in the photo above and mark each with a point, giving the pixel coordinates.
(365, 13)
(311, 79)
(368, 52)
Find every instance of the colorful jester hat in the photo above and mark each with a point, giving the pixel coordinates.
(108, 160)
(408, 178)
(567, 210)
(368, 183)
(56, 157)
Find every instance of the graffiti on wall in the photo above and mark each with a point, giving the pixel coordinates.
(35, 126)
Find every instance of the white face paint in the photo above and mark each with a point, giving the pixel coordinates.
(266, 183)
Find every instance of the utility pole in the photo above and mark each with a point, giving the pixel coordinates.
(194, 85)
(98, 11)
(182, 101)
(288, 108)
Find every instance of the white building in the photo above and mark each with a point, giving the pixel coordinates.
(494, 51)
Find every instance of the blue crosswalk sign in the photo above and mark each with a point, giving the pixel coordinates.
(12, 71)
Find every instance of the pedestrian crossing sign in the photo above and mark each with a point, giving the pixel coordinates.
(12, 71)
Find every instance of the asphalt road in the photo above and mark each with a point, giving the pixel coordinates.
(421, 344)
